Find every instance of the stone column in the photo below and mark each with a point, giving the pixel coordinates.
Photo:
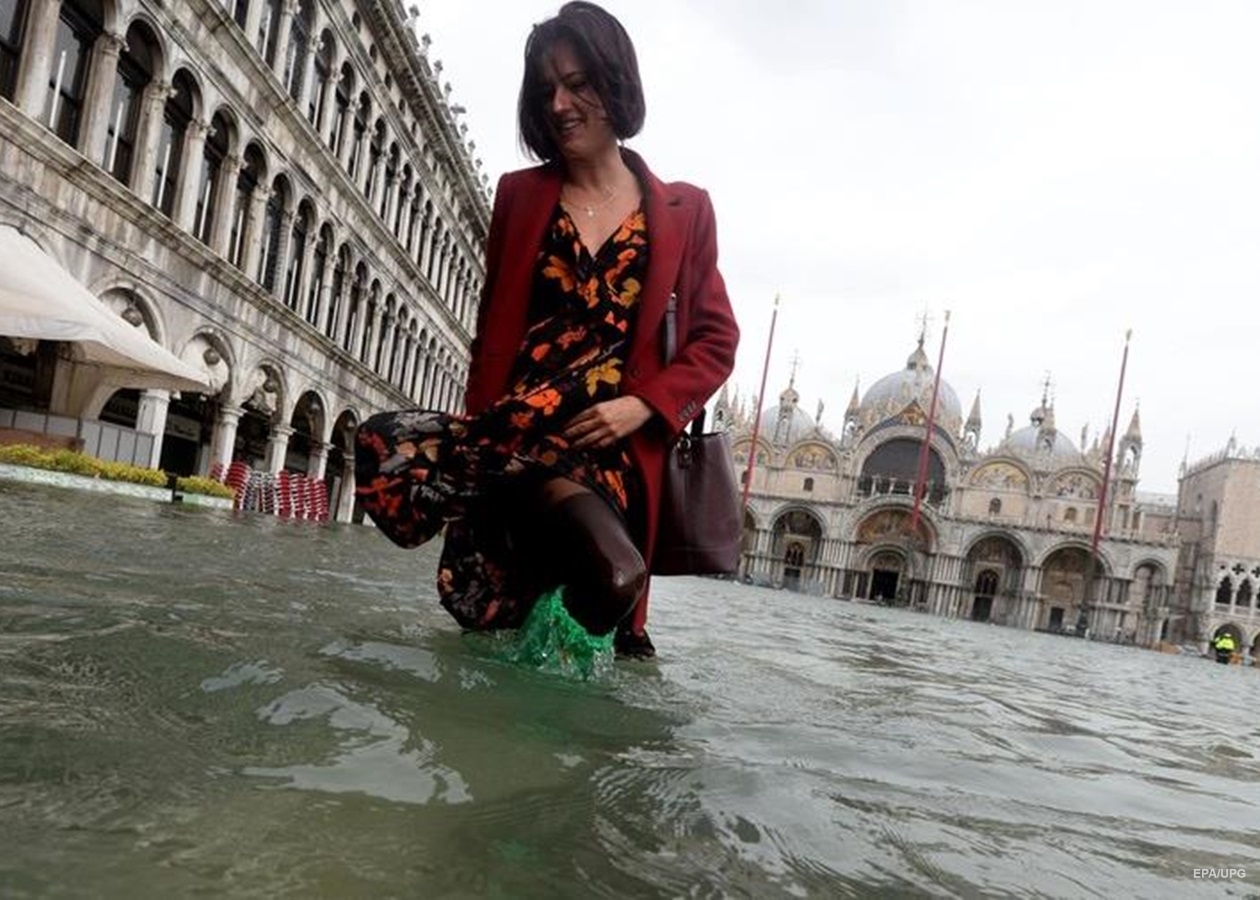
(308, 75)
(372, 348)
(253, 22)
(278, 447)
(303, 287)
(282, 39)
(386, 367)
(253, 229)
(224, 440)
(318, 460)
(330, 110)
(184, 213)
(403, 204)
(224, 201)
(148, 134)
(37, 66)
(345, 502)
(98, 98)
(342, 320)
(325, 298)
(151, 419)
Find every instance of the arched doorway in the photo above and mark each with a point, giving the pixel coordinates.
(339, 470)
(887, 571)
(986, 589)
(798, 537)
(1064, 578)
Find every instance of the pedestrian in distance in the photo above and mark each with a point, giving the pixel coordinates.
(552, 475)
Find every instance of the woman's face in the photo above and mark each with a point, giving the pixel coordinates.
(574, 111)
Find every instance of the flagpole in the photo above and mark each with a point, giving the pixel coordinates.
(765, 369)
(924, 451)
(1101, 514)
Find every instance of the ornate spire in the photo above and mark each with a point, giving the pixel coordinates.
(1135, 427)
(973, 418)
(855, 404)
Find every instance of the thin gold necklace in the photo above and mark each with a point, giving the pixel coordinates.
(589, 208)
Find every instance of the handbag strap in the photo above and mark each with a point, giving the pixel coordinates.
(671, 347)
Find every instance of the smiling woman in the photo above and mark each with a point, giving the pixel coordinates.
(570, 407)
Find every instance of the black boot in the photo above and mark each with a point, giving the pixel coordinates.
(604, 572)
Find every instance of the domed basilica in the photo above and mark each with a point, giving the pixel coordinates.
(1003, 533)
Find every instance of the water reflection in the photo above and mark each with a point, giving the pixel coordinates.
(192, 702)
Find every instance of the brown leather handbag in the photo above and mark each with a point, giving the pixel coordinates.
(698, 529)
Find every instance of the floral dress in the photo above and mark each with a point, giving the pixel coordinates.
(419, 471)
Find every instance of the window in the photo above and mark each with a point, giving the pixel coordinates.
(323, 78)
(299, 47)
(246, 183)
(809, 484)
(176, 116)
(319, 267)
(271, 234)
(79, 25)
(995, 507)
(360, 132)
(239, 10)
(269, 31)
(1070, 514)
(375, 154)
(341, 114)
(208, 184)
(297, 255)
(338, 285)
(12, 25)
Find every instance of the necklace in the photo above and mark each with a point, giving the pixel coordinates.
(591, 208)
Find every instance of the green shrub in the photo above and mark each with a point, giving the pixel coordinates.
(195, 484)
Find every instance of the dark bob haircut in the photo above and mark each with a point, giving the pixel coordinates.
(605, 52)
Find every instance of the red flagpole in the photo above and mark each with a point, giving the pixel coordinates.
(1111, 442)
(921, 476)
(1083, 621)
(765, 369)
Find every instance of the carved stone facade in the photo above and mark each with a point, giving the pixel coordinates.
(1003, 534)
(1219, 507)
(278, 191)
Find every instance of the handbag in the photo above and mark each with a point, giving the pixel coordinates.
(699, 526)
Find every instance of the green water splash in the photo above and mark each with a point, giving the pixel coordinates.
(552, 641)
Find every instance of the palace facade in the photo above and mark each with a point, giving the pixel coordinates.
(279, 192)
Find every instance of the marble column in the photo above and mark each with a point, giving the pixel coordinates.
(224, 213)
(151, 419)
(98, 98)
(223, 443)
(191, 160)
(278, 448)
(37, 66)
(148, 135)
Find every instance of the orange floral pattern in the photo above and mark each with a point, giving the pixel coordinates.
(419, 471)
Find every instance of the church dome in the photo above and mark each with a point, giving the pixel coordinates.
(797, 424)
(1042, 438)
(893, 393)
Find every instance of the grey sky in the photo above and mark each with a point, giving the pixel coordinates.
(1052, 172)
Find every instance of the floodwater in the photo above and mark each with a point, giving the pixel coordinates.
(196, 703)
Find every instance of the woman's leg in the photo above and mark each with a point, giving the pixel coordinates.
(590, 551)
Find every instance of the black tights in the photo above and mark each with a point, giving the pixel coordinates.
(573, 537)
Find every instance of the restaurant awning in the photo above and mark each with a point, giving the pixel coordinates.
(40, 300)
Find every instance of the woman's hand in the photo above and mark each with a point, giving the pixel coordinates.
(605, 423)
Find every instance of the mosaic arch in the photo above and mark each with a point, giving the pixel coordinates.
(813, 456)
(798, 539)
(891, 525)
(995, 567)
(1000, 475)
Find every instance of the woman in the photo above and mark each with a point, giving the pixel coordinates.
(553, 475)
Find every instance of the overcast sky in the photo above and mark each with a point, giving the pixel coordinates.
(1053, 173)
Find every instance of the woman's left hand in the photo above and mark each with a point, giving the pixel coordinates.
(606, 423)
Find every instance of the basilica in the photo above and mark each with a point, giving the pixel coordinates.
(1003, 534)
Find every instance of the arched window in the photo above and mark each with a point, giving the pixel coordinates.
(340, 271)
(211, 171)
(319, 269)
(240, 10)
(299, 47)
(1070, 514)
(368, 351)
(12, 27)
(135, 71)
(1224, 592)
(246, 183)
(176, 116)
(809, 484)
(323, 78)
(341, 111)
(361, 114)
(417, 217)
(269, 30)
(271, 234)
(995, 507)
(297, 255)
(79, 25)
(355, 309)
(391, 179)
(405, 187)
(375, 157)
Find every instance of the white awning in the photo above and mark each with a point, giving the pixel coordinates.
(40, 300)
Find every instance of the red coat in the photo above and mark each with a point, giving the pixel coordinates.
(683, 259)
